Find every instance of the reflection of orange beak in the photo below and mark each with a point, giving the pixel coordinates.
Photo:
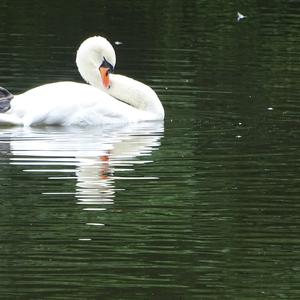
(104, 158)
(105, 76)
(104, 170)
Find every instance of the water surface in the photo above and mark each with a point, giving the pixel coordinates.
(202, 206)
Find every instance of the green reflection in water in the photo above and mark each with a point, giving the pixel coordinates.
(210, 213)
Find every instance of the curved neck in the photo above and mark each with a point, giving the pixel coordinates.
(135, 94)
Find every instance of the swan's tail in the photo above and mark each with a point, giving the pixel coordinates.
(5, 98)
(6, 118)
(9, 120)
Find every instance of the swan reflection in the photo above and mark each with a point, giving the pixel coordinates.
(94, 158)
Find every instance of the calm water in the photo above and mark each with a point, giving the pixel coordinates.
(202, 206)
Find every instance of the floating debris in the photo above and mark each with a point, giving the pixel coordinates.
(240, 16)
(118, 43)
(95, 224)
(270, 108)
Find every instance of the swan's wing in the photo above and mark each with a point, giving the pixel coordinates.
(67, 103)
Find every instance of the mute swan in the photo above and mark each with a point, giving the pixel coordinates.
(107, 98)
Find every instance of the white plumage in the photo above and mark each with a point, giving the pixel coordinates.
(71, 103)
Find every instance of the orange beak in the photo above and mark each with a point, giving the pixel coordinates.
(105, 76)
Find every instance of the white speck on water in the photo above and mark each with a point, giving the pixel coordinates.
(240, 16)
(240, 123)
(238, 136)
(84, 239)
(118, 43)
(95, 224)
(270, 108)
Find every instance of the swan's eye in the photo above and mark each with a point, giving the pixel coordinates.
(106, 64)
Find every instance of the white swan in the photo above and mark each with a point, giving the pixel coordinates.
(108, 98)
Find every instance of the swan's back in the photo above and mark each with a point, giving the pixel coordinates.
(53, 104)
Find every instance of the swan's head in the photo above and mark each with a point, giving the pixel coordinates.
(95, 59)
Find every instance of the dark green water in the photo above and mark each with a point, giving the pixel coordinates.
(204, 206)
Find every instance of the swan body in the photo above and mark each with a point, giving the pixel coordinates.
(105, 99)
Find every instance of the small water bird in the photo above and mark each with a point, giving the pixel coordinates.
(105, 98)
